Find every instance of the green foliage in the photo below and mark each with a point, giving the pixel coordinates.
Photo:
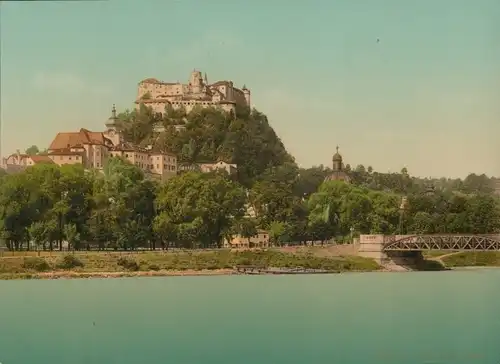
(198, 210)
(33, 150)
(364, 211)
(210, 134)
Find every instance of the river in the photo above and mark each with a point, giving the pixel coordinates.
(354, 318)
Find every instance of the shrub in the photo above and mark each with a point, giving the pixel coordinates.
(153, 267)
(128, 264)
(36, 264)
(69, 262)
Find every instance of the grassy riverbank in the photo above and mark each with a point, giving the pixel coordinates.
(109, 264)
(473, 259)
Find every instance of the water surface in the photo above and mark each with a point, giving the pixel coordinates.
(375, 318)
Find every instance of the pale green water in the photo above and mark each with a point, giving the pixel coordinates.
(408, 318)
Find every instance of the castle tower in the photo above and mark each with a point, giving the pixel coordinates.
(112, 129)
(196, 81)
(246, 92)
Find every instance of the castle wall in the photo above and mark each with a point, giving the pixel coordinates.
(196, 92)
(239, 97)
(156, 90)
(158, 106)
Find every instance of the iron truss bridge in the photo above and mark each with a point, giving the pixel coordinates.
(442, 242)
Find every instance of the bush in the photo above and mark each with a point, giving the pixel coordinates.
(128, 264)
(36, 264)
(69, 262)
(153, 267)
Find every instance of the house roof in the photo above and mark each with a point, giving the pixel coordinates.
(41, 159)
(338, 176)
(74, 139)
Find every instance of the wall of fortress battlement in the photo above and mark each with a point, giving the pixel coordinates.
(158, 94)
(158, 105)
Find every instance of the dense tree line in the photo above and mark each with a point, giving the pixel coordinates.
(47, 205)
(121, 209)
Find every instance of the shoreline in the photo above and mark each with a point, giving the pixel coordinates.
(121, 274)
(183, 273)
(160, 273)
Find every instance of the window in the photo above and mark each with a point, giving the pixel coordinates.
(69, 158)
(97, 164)
(158, 166)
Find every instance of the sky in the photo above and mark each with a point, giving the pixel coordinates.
(425, 97)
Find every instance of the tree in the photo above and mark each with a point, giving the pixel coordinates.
(72, 236)
(33, 150)
(20, 206)
(310, 179)
(198, 209)
(483, 215)
(423, 223)
(272, 195)
(278, 232)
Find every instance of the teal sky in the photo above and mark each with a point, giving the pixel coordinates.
(427, 96)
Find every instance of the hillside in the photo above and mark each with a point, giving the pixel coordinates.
(209, 135)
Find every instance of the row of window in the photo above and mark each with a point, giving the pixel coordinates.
(167, 167)
(141, 156)
(77, 157)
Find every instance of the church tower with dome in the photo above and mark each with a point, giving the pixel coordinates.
(338, 173)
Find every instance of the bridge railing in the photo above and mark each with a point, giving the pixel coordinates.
(486, 242)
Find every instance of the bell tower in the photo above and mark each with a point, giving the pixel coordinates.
(112, 129)
(337, 161)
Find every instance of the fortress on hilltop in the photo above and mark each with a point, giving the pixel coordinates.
(158, 94)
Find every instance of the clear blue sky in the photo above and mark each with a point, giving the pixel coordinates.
(427, 96)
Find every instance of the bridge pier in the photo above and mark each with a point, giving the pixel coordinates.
(372, 246)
